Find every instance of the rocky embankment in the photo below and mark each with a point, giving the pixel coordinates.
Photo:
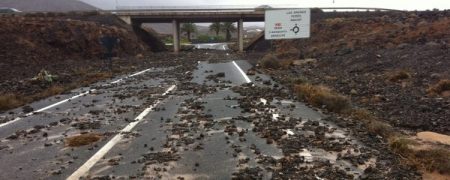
(388, 74)
(47, 54)
(396, 65)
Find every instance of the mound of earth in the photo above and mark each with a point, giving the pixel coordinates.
(65, 46)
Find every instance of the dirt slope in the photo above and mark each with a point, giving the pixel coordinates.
(34, 41)
(387, 63)
(61, 45)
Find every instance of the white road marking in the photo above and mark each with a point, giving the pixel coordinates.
(68, 99)
(117, 81)
(242, 72)
(47, 107)
(135, 74)
(107, 147)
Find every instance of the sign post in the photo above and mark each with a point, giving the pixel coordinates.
(287, 24)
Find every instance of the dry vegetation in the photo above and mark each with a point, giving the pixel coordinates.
(295, 81)
(82, 139)
(272, 61)
(51, 91)
(399, 75)
(433, 159)
(9, 101)
(65, 44)
(430, 159)
(322, 96)
(352, 51)
(439, 88)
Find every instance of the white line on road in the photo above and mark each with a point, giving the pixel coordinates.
(242, 72)
(47, 107)
(108, 146)
(135, 74)
(68, 99)
(117, 81)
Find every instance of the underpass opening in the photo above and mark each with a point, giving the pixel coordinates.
(149, 37)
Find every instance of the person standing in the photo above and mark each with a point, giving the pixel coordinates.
(108, 41)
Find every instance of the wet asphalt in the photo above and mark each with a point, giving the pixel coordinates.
(167, 143)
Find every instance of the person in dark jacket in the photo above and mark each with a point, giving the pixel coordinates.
(108, 41)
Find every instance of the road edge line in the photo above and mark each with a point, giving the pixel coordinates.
(68, 99)
(47, 107)
(83, 169)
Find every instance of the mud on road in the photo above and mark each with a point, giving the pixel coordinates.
(203, 116)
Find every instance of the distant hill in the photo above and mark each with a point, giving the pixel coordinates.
(160, 28)
(47, 5)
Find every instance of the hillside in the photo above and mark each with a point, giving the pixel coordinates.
(61, 46)
(360, 56)
(385, 74)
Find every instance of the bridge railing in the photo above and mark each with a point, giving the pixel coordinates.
(239, 8)
(201, 8)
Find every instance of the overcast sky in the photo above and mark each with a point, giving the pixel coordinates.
(391, 4)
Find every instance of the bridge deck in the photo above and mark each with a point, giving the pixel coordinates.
(193, 16)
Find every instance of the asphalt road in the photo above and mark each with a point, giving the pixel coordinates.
(215, 46)
(154, 125)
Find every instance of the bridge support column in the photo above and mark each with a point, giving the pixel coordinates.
(241, 35)
(176, 36)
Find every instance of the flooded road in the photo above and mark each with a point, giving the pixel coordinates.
(219, 120)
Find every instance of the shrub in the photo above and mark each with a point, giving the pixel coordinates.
(440, 87)
(397, 76)
(361, 114)
(51, 91)
(270, 61)
(434, 160)
(9, 101)
(377, 127)
(431, 159)
(401, 146)
(322, 96)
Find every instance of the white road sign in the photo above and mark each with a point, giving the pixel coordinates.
(287, 23)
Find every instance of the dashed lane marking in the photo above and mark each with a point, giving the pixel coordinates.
(247, 80)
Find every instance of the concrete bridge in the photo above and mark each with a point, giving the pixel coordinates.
(137, 15)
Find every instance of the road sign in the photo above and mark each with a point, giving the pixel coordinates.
(287, 24)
